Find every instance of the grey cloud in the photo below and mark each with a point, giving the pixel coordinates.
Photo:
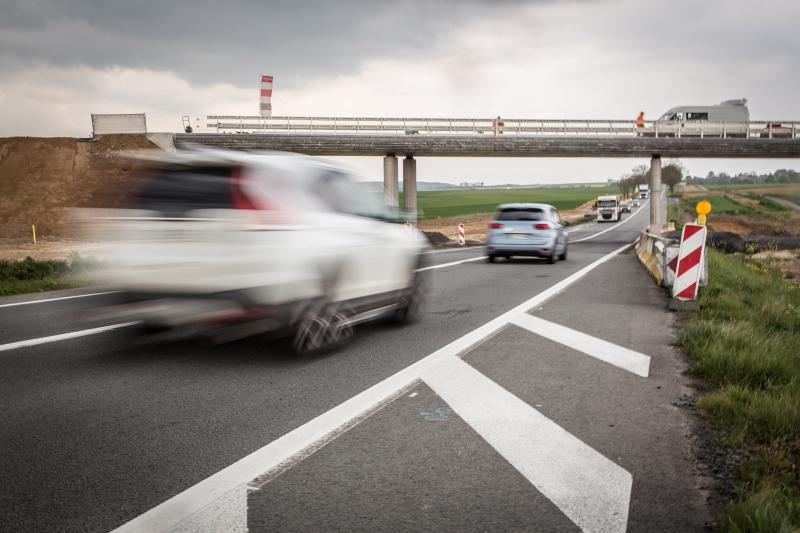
(210, 41)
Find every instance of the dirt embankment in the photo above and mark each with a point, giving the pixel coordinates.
(40, 177)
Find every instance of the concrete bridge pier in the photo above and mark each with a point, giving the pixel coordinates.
(410, 186)
(390, 184)
(658, 212)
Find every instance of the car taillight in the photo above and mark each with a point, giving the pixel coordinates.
(239, 198)
(495, 225)
(541, 225)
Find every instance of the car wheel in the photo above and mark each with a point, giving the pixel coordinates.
(552, 258)
(411, 304)
(322, 325)
(563, 256)
(490, 258)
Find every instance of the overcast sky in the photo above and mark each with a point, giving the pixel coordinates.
(61, 60)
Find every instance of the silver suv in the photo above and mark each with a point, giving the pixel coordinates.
(532, 230)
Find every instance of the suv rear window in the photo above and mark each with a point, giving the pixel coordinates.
(524, 213)
(173, 192)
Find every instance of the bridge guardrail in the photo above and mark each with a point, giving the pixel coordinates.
(766, 129)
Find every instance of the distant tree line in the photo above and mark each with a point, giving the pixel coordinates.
(671, 174)
(779, 176)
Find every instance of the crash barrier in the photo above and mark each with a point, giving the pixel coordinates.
(765, 129)
(691, 258)
(462, 239)
(659, 255)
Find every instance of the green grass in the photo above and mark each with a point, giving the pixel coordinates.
(720, 205)
(30, 275)
(791, 196)
(434, 204)
(744, 342)
(745, 186)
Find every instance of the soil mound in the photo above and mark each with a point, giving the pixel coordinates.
(40, 177)
(436, 238)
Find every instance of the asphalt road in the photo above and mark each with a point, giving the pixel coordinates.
(98, 429)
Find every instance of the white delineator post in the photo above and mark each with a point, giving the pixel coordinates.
(690, 262)
(462, 240)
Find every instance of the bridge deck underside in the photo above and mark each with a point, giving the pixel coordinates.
(462, 146)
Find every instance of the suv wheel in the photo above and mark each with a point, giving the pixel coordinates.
(321, 326)
(411, 304)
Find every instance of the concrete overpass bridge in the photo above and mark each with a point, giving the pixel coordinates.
(391, 138)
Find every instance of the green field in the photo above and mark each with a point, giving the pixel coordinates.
(793, 197)
(435, 204)
(745, 186)
(720, 205)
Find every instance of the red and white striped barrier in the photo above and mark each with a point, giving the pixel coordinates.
(462, 239)
(690, 262)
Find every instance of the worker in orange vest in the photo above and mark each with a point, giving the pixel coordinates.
(497, 127)
(640, 120)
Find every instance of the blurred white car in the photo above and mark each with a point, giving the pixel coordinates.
(232, 244)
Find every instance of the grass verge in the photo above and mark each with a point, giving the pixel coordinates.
(30, 275)
(744, 342)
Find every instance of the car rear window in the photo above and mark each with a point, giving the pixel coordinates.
(173, 192)
(520, 213)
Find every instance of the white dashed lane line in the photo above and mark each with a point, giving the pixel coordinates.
(62, 336)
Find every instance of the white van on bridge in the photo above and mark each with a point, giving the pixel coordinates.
(730, 118)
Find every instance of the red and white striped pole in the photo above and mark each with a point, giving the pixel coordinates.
(690, 262)
(462, 240)
(265, 97)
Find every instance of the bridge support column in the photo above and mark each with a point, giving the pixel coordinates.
(410, 186)
(658, 214)
(390, 185)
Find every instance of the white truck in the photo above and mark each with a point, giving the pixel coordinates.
(608, 209)
(644, 192)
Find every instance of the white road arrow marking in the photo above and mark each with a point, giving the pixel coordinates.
(589, 489)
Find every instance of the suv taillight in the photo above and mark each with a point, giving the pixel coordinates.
(495, 225)
(239, 198)
(541, 225)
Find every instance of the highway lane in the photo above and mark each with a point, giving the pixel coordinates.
(100, 430)
(33, 316)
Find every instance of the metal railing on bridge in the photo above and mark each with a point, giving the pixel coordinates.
(767, 129)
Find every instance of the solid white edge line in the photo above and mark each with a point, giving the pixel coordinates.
(29, 302)
(62, 336)
(590, 489)
(615, 226)
(613, 354)
(181, 507)
(443, 265)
